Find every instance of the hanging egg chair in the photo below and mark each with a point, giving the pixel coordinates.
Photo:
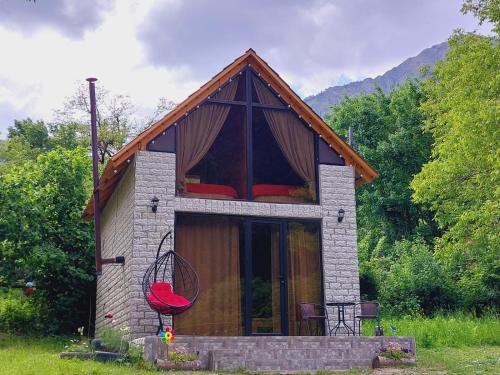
(170, 284)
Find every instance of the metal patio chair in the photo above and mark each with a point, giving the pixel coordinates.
(312, 312)
(369, 310)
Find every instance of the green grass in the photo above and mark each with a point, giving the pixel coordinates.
(445, 345)
(30, 356)
(454, 331)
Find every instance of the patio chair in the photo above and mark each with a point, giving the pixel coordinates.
(369, 310)
(312, 312)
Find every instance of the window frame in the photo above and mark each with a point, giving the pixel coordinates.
(249, 105)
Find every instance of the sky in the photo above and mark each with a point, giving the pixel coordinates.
(168, 48)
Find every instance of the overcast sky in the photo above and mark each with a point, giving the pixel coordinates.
(168, 48)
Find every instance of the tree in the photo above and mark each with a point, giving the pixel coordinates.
(43, 236)
(388, 134)
(484, 10)
(113, 119)
(461, 182)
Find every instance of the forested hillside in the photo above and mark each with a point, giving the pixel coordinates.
(429, 225)
(410, 68)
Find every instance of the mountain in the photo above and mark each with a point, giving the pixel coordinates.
(410, 68)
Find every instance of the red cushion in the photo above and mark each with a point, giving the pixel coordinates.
(164, 300)
(268, 189)
(212, 189)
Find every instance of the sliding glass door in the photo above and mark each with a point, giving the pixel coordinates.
(253, 273)
(264, 279)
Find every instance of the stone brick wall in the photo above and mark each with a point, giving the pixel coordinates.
(339, 240)
(117, 239)
(155, 176)
(279, 354)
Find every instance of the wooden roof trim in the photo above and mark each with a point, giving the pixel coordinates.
(316, 122)
(179, 111)
(119, 161)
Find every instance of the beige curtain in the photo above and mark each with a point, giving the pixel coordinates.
(211, 246)
(295, 141)
(197, 132)
(275, 280)
(304, 271)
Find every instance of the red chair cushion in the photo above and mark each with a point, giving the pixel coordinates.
(212, 189)
(268, 189)
(164, 300)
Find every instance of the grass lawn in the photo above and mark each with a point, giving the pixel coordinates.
(458, 345)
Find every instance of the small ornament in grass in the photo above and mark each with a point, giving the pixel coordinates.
(167, 336)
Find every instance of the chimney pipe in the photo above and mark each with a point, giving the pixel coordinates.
(350, 136)
(95, 175)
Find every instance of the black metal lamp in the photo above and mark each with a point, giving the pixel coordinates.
(154, 204)
(341, 215)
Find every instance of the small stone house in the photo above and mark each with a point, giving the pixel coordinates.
(260, 195)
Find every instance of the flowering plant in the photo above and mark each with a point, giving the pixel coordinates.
(181, 354)
(395, 351)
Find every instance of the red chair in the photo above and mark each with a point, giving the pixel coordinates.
(168, 274)
(312, 312)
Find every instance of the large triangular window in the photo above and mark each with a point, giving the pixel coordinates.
(245, 143)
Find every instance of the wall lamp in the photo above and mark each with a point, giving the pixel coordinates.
(341, 215)
(154, 204)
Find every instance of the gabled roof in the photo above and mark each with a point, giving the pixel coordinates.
(117, 165)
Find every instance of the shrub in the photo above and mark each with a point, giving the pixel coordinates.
(416, 282)
(115, 339)
(18, 314)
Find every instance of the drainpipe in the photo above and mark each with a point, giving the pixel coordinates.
(99, 261)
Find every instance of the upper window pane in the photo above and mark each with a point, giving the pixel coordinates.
(221, 173)
(274, 179)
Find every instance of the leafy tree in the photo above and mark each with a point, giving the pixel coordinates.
(388, 133)
(484, 10)
(34, 134)
(416, 282)
(113, 119)
(44, 237)
(461, 182)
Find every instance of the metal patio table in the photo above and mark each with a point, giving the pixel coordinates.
(341, 324)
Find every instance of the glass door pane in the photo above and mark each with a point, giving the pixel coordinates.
(265, 284)
(304, 274)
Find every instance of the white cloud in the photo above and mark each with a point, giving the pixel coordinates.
(150, 49)
(38, 71)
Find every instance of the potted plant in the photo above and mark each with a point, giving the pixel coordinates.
(178, 358)
(393, 355)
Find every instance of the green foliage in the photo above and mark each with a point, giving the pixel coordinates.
(484, 10)
(114, 339)
(461, 182)
(416, 282)
(388, 133)
(113, 120)
(34, 134)
(455, 330)
(394, 351)
(19, 314)
(181, 357)
(44, 237)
